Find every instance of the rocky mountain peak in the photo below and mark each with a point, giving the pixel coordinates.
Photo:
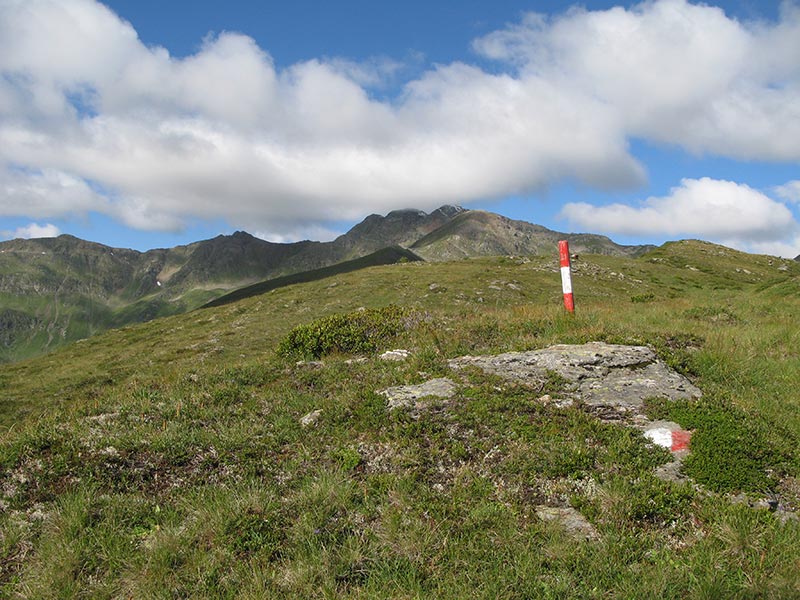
(448, 210)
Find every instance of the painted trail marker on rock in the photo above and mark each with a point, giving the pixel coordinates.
(566, 275)
(669, 436)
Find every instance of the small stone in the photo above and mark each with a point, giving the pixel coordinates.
(355, 361)
(396, 355)
(311, 418)
(671, 471)
(770, 504)
(740, 498)
(573, 521)
(310, 364)
(407, 396)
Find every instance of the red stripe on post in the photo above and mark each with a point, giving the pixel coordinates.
(563, 253)
(566, 275)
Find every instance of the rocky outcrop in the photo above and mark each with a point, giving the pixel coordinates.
(598, 374)
(611, 381)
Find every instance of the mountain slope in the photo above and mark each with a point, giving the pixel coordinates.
(56, 290)
(398, 228)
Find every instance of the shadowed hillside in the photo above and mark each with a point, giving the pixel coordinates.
(386, 256)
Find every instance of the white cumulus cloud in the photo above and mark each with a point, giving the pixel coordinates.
(91, 119)
(49, 193)
(789, 248)
(789, 191)
(675, 72)
(733, 213)
(33, 230)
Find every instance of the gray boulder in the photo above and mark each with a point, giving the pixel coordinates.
(596, 373)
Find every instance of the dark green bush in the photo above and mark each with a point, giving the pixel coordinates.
(357, 332)
(713, 314)
(640, 298)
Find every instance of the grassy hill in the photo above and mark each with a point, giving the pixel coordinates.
(58, 290)
(168, 459)
(54, 291)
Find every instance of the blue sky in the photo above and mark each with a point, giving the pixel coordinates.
(150, 124)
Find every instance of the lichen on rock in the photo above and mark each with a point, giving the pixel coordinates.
(597, 373)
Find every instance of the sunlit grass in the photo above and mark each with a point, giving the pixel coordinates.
(168, 459)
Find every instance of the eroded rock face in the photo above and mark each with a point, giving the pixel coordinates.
(597, 373)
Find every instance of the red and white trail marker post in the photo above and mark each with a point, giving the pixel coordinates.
(566, 276)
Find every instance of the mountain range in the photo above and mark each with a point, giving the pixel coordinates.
(58, 290)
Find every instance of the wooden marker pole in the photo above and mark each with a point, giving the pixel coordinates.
(566, 276)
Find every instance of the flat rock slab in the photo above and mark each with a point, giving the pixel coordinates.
(597, 373)
(407, 396)
(573, 522)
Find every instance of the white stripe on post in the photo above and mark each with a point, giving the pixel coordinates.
(566, 276)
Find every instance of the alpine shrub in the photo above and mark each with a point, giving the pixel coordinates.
(357, 332)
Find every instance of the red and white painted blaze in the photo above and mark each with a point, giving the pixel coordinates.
(674, 441)
(566, 275)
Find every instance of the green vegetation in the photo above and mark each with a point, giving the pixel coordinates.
(168, 460)
(359, 332)
(649, 297)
